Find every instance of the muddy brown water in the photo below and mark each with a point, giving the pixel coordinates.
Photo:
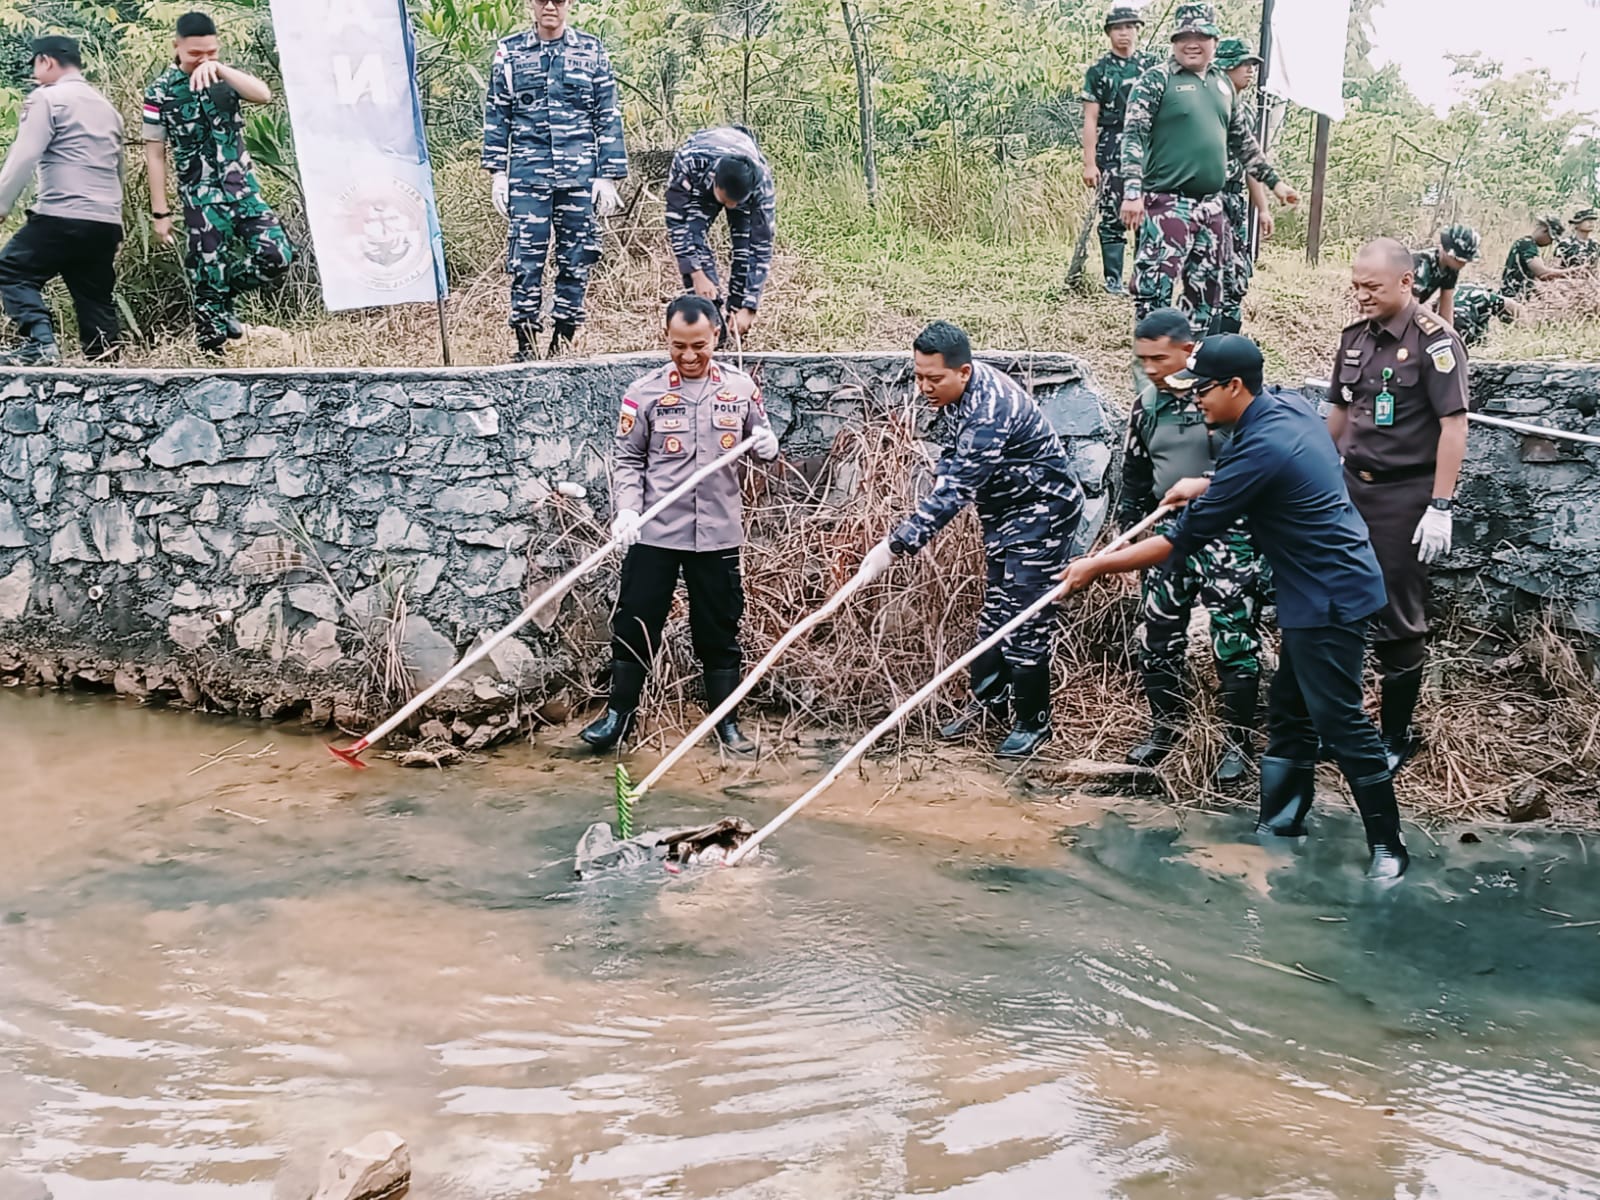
(947, 986)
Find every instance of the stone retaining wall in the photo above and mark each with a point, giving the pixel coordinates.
(240, 539)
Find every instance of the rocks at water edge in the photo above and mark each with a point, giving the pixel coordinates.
(378, 1167)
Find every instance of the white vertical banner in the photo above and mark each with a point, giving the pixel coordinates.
(1306, 64)
(349, 70)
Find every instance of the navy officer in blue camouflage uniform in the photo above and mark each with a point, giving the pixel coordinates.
(1005, 458)
(1280, 472)
(552, 140)
(721, 170)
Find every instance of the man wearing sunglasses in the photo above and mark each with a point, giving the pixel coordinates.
(552, 142)
(1281, 473)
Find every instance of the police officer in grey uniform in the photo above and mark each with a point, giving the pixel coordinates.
(1399, 418)
(675, 420)
(552, 140)
(721, 170)
(72, 136)
(1004, 458)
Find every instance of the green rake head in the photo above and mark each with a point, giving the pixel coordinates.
(626, 795)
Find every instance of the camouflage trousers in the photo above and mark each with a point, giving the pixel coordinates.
(1224, 577)
(1184, 245)
(1475, 308)
(234, 247)
(1016, 575)
(1239, 268)
(536, 214)
(1108, 157)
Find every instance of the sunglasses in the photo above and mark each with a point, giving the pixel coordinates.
(550, 3)
(1210, 385)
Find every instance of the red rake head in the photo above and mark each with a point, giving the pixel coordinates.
(350, 757)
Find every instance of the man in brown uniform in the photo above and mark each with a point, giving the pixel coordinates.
(676, 419)
(1399, 418)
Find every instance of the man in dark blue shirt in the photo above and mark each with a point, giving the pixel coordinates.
(1281, 473)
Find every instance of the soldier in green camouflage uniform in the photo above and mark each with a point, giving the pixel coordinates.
(1524, 268)
(1239, 194)
(1168, 440)
(1475, 307)
(1436, 271)
(1581, 251)
(1105, 98)
(1183, 121)
(235, 241)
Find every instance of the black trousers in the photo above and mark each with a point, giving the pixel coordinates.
(716, 604)
(1316, 694)
(84, 254)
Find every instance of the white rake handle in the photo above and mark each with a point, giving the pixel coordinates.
(554, 592)
(923, 694)
(749, 682)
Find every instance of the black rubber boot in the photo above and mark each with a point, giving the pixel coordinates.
(1288, 786)
(991, 697)
(1030, 697)
(1400, 691)
(1226, 324)
(719, 686)
(1239, 693)
(561, 337)
(527, 342)
(1380, 814)
(627, 682)
(1163, 688)
(34, 352)
(1111, 257)
(232, 327)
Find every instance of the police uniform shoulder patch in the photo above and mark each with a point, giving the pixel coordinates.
(630, 413)
(1443, 353)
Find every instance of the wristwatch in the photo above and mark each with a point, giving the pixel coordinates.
(1443, 503)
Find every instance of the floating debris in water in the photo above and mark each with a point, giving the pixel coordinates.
(599, 850)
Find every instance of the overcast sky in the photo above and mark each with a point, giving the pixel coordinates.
(1561, 35)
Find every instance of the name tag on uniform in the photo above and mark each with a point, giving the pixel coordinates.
(725, 421)
(582, 60)
(665, 423)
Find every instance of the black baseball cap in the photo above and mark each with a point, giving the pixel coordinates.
(1219, 359)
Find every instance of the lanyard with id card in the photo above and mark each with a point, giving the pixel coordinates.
(1383, 402)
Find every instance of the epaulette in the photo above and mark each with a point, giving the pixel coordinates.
(1354, 324)
(1427, 320)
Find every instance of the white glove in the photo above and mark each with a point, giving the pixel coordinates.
(876, 562)
(766, 443)
(500, 192)
(1432, 538)
(606, 200)
(625, 529)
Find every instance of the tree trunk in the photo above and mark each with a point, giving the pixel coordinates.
(859, 52)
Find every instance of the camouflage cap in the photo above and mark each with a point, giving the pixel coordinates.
(1235, 52)
(1552, 223)
(1122, 14)
(1585, 214)
(1460, 240)
(1195, 18)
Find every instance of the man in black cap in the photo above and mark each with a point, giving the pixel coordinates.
(72, 136)
(1398, 415)
(1280, 472)
(1105, 99)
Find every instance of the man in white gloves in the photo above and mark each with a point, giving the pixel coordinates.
(1399, 418)
(674, 421)
(1006, 460)
(552, 142)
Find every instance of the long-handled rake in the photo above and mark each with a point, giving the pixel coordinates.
(923, 694)
(629, 793)
(352, 754)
